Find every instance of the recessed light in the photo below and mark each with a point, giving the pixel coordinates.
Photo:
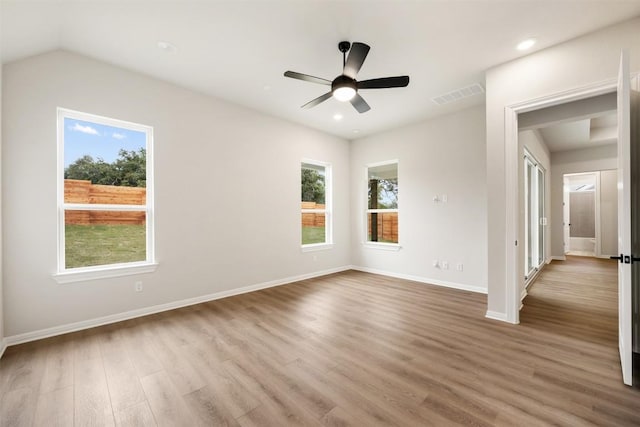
(337, 117)
(167, 47)
(526, 44)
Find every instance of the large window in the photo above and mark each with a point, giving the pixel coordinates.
(105, 194)
(382, 202)
(315, 188)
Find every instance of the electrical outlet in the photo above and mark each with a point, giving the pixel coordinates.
(138, 286)
(444, 198)
(459, 266)
(445, 265)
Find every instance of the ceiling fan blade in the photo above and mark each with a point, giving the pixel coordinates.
(356, 58)
(360, 104)
(307, 78)
(384, 82)
(318, 100)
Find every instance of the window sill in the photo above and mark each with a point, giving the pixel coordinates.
(382, 246)
(104, 273)
(317, 247)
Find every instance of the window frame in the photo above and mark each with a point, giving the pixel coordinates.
(327, 211)
(366, 242)
(67, 275)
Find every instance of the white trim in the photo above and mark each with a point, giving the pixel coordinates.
(103, 272)
(496, 315)
(557, 258)
(459, 286)
(382, 211)
(102, 207)
(3, 347)
(511, 162)
(523, 295)
(314, 247)
(105, 320)
(382, 246)
(382, 163)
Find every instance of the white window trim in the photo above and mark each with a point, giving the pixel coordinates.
(64, 275)
(378, 245)
(328, 208)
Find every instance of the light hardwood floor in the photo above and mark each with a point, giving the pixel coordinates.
(346, 349)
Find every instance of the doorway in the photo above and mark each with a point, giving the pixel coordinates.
(627, 92)
(581, 219)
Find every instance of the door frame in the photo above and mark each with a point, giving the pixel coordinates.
(512, 159)
(597, 249)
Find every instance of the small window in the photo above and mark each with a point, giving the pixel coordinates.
(104, 193)
(382, 202)
(315, 204)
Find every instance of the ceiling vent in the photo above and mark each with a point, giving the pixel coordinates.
(458, 94)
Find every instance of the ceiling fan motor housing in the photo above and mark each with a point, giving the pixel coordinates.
(344, 47)
(343, 81)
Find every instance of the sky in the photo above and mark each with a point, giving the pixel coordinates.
(98, 141)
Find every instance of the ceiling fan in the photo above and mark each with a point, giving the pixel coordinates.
(345, 87)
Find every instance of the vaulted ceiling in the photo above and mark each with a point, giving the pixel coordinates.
(238, 50)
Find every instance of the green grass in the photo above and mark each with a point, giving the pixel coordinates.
(312, 235)
(89, 245)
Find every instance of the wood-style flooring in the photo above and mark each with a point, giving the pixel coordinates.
(346, 349)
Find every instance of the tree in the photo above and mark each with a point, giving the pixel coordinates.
(387, 193)
(131, 168)
(128, 170)
(312, 186)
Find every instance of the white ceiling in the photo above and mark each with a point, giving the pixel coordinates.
(238, 50)
(583, 133)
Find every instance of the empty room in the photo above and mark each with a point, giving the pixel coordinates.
(278, 212)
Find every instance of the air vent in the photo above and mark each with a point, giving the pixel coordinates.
(458, 94)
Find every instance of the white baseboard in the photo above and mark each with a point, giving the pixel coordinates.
(496, 316)
(3, 346)
(420, 279)
(559, 258)
(99, 321)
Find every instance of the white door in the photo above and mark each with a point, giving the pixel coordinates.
(624, 218)
(566, 214)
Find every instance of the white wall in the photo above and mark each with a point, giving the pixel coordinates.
(534, 143)
(576, 161)
(582, 61)
(219, 168)
(436, 157)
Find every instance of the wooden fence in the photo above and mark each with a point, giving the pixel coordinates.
(387, 226)
(80, 191)
(312, 219)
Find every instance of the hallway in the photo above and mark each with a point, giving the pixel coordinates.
(577, 298)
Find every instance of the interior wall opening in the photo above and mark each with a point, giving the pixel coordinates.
(566, 150)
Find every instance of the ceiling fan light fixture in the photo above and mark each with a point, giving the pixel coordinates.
(343, 88)
(344, 93)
